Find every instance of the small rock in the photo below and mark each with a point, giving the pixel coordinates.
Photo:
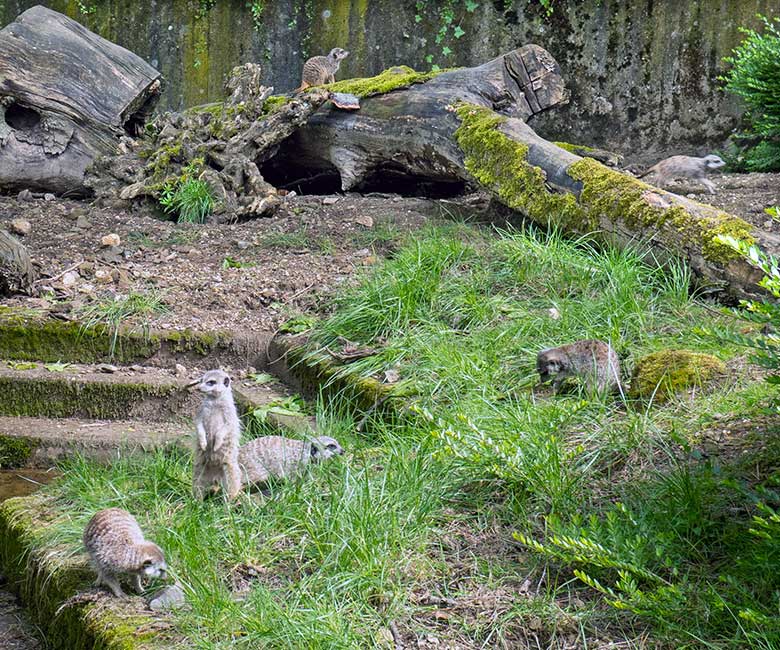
(86, 268)
(70, 278)
(179, 370)
(49, 196)
(553, 313)
(243, 245)
(21, 227)
(82, 222)
(167, 598)
(363, 252)
(137, 368)
(330, 200)
(103, 276)
(107, 368)
(110, 240)
(120, 277)
(391, 376)
(87, 288)
(75, 213)
(365, 220)
(24, 195)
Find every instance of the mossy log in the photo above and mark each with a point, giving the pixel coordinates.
(66, 96)
(469, 126)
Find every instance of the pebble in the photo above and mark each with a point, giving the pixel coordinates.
(111, 239)
(179, 370)
(82, 222)
(103, 276)
(24, 195)
(330, 200)
(21, 227)
(49, 196)
(167, 598)
(70, 278)
(107, 368)
(553, 313)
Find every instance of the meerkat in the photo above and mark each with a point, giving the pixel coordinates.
(217, 430)
(686, 167)
(275, 456)
(116, 545)
(592, 361)
(320, 70)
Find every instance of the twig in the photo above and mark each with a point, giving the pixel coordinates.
(29, 480)
(298, 294)
(397, 639)
(541, 580)
(59, 275)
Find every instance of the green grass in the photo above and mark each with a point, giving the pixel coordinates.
(116, 311)
(190, 200)
(635, 518)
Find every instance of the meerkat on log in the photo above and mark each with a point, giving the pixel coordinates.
(592, 361)
(686, 167)
(217, 430)
(279, 457)
(117, 546)
(319, 70)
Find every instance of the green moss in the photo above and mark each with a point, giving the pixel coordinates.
(499, 163)
(14, 452)
(392, 79)
(275, 103)
(64, 398)
(620, 197)
(662, 374)
(578, 149)
(45, 578)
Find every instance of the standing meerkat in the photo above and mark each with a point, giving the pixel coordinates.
(275, 456)
(217, 429)
(592, 361)
(116, 545)
(319, 70)
(686, 167)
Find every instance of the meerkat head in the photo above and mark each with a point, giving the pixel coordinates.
(549, 363)
(337, 54)
(713, 162)
(214, 383)
(324, 447)
(152, 561)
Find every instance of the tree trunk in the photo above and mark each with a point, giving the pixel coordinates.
(16, 270)
(469, 126)
(66, 96)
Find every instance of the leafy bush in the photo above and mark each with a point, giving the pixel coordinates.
(755, 77)
(190, 200)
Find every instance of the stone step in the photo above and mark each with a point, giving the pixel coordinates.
(40, 442)
(82, 391)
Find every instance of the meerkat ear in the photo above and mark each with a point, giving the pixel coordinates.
(227, 381)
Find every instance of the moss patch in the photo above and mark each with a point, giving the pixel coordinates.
(14, 452)
(30, 337)
(48, 582)
(620, 197)
(401, 76)
(500, 164)
(660, 375)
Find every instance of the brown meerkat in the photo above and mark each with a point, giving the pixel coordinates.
(592, 361)
(116, 545)
(686, 167)
(276, 456)
(217, 430)
(319, 70)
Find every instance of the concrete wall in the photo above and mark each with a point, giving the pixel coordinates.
(643, 73)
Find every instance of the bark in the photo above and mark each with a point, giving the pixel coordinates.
(17, 274)
(66, 96)
(469, 126)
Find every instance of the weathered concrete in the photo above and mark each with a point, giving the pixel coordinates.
(643, 73)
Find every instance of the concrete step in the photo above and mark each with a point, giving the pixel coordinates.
(41, 442)
(82, 391)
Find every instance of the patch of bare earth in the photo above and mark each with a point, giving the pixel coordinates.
(245, 276)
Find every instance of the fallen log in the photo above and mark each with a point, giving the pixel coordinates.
(66, 97)
(469, 126)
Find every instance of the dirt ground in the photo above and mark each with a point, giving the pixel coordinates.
(255, 274)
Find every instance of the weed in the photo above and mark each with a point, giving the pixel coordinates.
(116, 311)
(191, 200)
(299, 238)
